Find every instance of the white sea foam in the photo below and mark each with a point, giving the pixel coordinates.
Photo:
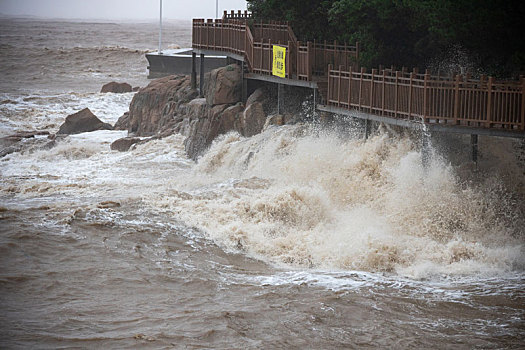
(48, 112)
(317, 201)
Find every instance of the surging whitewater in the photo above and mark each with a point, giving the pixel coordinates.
(314, 200)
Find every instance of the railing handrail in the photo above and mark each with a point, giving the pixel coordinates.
(459, 101)
(236, 15)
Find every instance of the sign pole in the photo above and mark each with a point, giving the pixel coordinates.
(160, 29)
(278, 98)
(313, 112)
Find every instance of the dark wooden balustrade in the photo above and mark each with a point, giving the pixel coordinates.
(236, 15)
(303, 61)
(482, 103)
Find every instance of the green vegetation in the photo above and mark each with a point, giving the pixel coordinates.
(486, 36)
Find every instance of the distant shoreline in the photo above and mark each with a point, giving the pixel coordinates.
(91, 20)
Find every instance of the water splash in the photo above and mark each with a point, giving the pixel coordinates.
(311, 199)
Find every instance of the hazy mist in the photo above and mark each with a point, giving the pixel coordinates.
(117, 9)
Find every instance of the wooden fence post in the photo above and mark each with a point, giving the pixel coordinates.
(270, 55)
(345, 56)
(489, 101)
(287, 67)
(410, 95)
(350, 89)
(324, 55)
(214, 36)
(425, 96)
(383, 95)
(396, 93)
(363, 69)
(339, 86)
(522, 103)
(329, 93)
(357, 53)
(309, 65)
(297, 66)
(336, 61)
(456, 99)
(374, 72)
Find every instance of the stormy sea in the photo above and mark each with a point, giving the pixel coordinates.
(298, 237)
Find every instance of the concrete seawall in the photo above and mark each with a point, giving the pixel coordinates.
(179, 62)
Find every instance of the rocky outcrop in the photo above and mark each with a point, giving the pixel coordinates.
(260, 95)
(219, 112)
(169, 105)
(25, 141)
(231, 119)
(203, 130)
(14, 138)
(124, 143)
(116, 87)
(224, 85)
(253, 119)
(122, 122)
(83, 121)
(160, 106)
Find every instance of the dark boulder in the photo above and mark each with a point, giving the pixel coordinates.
(159, 105)
(122, 122)
(253, 119)
(14, 138)
(224, 85)
(116, 87)
(260, 95)
(124, 143)
(83, 121)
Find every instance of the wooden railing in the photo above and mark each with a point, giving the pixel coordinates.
(277, 33)
(220, 35)
(313, 58)
(303, 61)
(236, 15)
(483, 103)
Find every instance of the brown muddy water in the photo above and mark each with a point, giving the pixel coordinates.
(295, 238)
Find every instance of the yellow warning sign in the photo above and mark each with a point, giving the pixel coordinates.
(279, 58)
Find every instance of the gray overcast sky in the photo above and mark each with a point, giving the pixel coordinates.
(118, 9)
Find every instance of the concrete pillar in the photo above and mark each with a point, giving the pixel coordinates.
(201, 80)
(474, 147)
(368, 126)
(315, 105)
(193, 71)
(244, 92)
(278, 98)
